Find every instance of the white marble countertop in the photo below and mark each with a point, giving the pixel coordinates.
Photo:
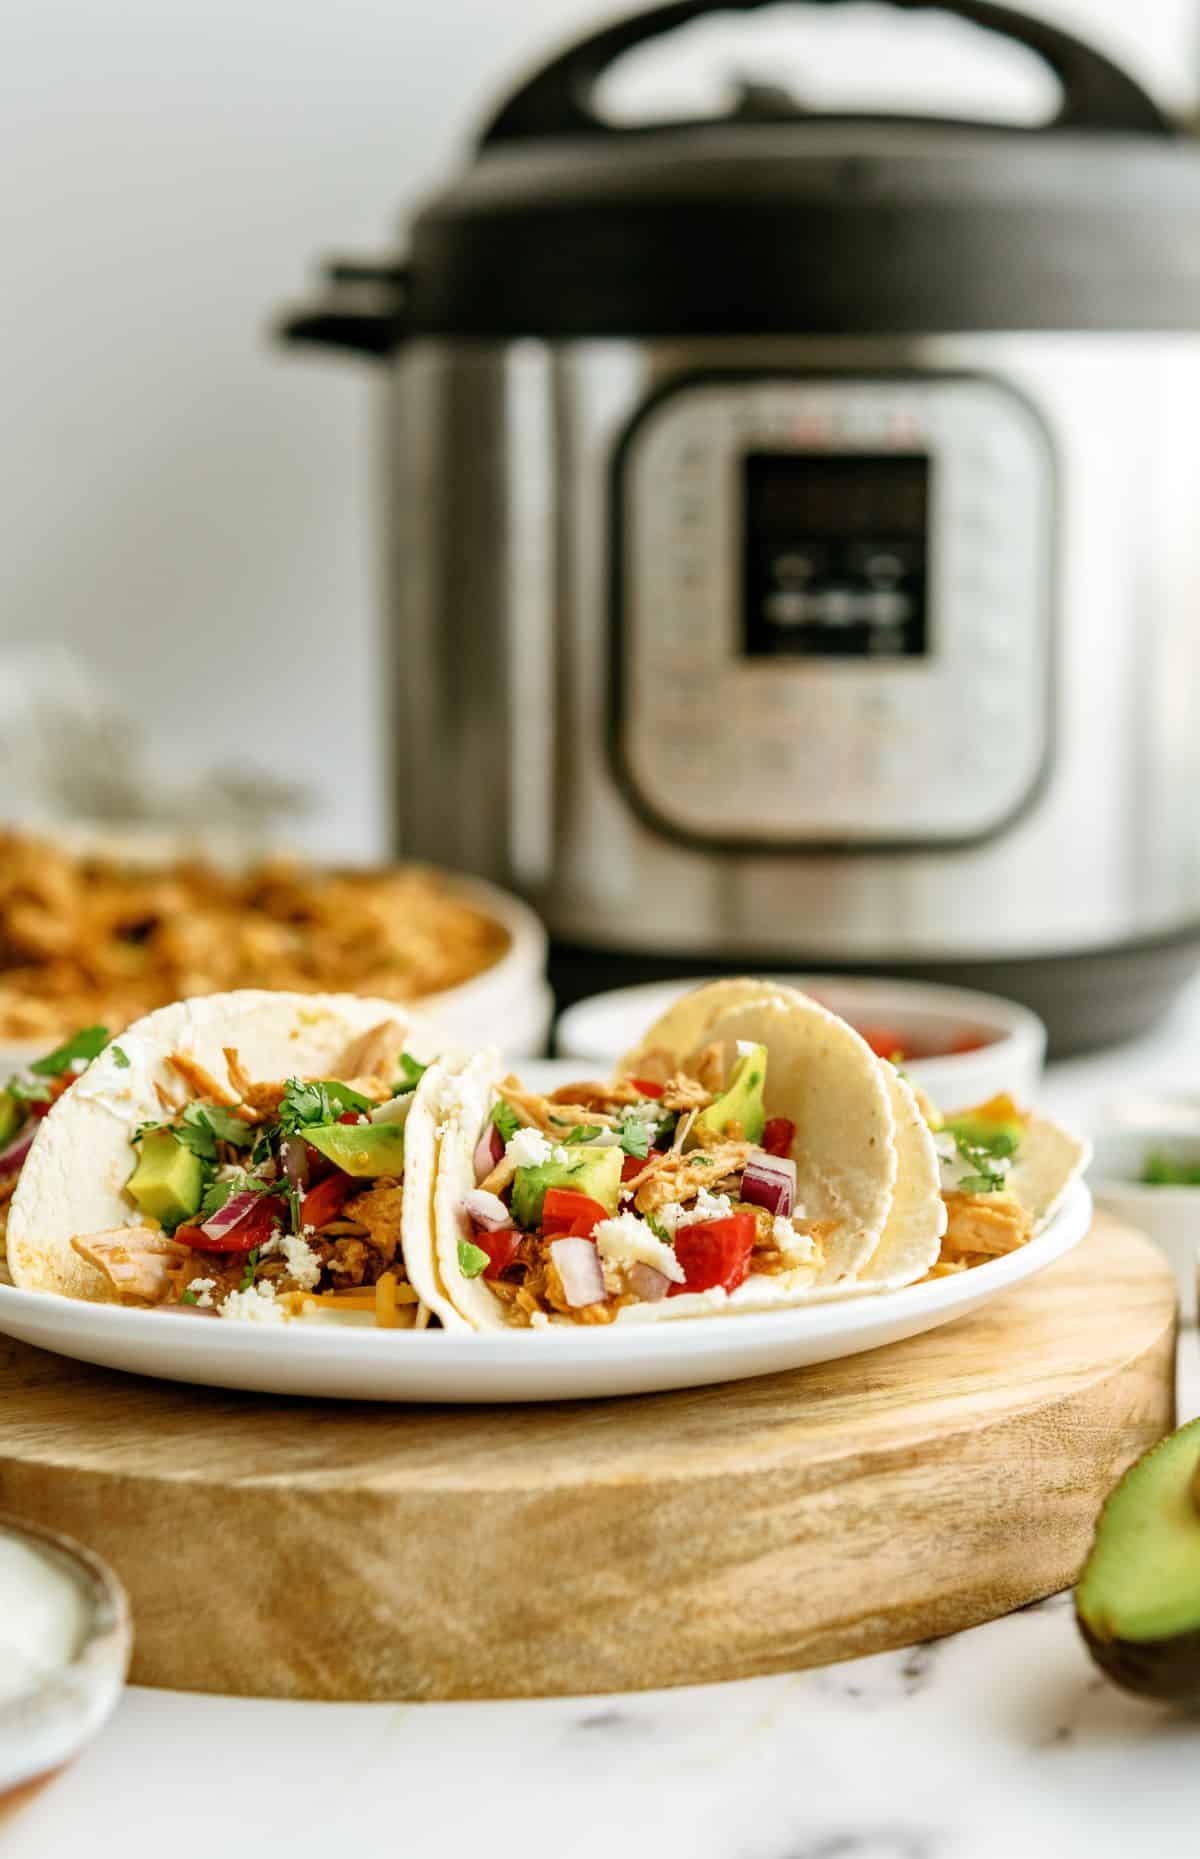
(1000, 1743)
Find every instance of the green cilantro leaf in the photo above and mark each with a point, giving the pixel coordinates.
(120, 1059)
(583, 1133)
(319, 1100)
(84, 1045)
(410, 1074)
(202, 1126)
(251, 1267)
(29, 1090)
(471, 1259)
(188, 1297)
(987, 1155)
(506, 1119)
(634, 1133)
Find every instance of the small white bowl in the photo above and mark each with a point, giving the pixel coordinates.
(604, 1026)
(1125, 1135)
(41, 1731)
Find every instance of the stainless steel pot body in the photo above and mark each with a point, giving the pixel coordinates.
(1031, 787)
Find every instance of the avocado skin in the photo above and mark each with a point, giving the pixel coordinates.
(1167, 1670)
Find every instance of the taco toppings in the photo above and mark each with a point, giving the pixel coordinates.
(26, 1099)
(600, 1196)
(253, 1197)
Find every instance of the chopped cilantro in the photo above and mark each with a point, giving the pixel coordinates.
(986, 1155)
(410, 1074)
(188, 1296)
(320, 1100)
(471, 1259)
(582, 1133)
(262, 1151)
(1162, 1171)
(251, 1267)
(635, 1134)
(202, 1126)
(506, 1119)
(84, 1045)
(29, 1090)
(120, 1059)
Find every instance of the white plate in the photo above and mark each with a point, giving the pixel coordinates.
(603, 1026)
(555, 1365)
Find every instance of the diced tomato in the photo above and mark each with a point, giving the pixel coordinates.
(885, 1042)
(647, 1087)
(779, 1133)
(566, 1211)
(350, 1116)
(715, 1252)
(251, 1230)
(324, 1202)
(500, 1246)
(634, 1164)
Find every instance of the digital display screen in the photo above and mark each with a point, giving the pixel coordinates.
(835, 554)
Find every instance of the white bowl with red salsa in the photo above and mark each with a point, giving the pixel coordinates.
(960, 1046)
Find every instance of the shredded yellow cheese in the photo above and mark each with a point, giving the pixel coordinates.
(385, 1302)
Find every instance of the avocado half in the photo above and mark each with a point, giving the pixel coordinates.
(1138, 1599)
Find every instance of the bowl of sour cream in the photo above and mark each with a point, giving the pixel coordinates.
(65, 1640)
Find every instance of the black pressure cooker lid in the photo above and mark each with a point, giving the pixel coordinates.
(774, 221)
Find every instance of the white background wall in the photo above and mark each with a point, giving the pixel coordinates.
(179, 502)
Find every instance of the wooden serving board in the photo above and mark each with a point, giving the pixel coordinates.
(299, 1549)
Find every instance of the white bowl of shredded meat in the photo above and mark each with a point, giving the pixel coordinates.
(104, 932)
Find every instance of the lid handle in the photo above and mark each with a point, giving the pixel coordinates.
(556, 101)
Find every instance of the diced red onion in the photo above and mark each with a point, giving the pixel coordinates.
(13, 1154)
(487, 1210)
(650, 1284)
(488, 1150)
(770, 1181)
(226, 1218)
(578, 1265)
(295, 1163)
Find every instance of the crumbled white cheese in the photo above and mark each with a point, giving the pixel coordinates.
(626, 1240)
(257, 1305)
(639, 1133)
(558, 1154)
(538, 1320)
(796, 1246)
(528, 1149)
(706, 1206)
(302, 1261)
(202, 1290)
(745, 1048)
(956, 1168)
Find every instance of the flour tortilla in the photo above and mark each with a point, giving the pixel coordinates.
(911, 1238)
(1047, 1163)
(74, 1176)
(820, 1073)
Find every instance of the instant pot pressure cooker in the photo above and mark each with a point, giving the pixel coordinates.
(794, 527)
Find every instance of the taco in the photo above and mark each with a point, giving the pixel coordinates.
(252, 1154)
(1005, 1173)
(751, 1152)
(26, 1099)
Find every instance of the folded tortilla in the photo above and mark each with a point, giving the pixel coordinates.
(73, 1179)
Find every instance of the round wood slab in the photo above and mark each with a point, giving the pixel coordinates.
(288, 1548)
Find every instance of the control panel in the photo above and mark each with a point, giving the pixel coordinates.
(833, 609)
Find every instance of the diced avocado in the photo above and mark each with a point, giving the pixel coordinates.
(1138, 1599)
(740, 1102)
(168, 1180)
(981, 1126)
(12, 1116)
(590, 1171)
(360, 1148)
